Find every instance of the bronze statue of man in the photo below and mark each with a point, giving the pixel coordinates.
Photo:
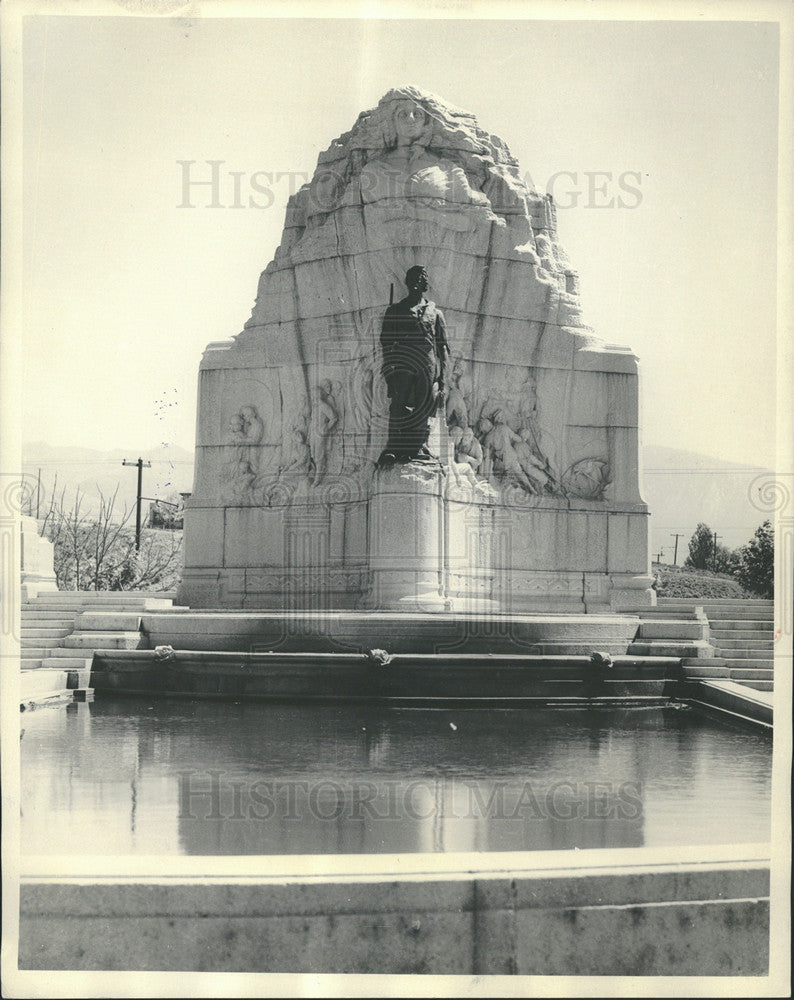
(415, 352)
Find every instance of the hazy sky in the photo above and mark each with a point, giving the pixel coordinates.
(658, 140)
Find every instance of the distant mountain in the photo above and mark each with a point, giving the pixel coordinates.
(90, 471)
(681, 488)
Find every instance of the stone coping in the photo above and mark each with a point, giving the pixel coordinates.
(88, 868)
(401, 617)
(729, 700)
(547, 916)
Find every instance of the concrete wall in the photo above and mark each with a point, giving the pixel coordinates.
(564, 915)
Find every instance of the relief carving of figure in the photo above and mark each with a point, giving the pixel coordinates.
(467, 457)
(457, 408)
(437, 188)
(341, 447)
(536, 469)
(468, 449)
(367, 416)
(587, 479)
(300, 457)
(247, 431)
(324, 422)
(509, 454)
(528, 420)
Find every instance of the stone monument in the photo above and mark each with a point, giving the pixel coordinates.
(529, 497)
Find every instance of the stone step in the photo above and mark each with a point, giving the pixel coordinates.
(59, 600)
(741, 634)
(746, 664)
(77, 608)
(718, 602)
(742, 625)
(675, 615)
(68, 662)
(756, 675)
(109, 621)
(40, 643)
(48, 626)
(731, 601)
(672, 629)
(37, 652)
(37, 685)
(759, 685)
(731, 641)
(30, 663)
(36, 632)
(66, 603)
(741, 616)
(698, 671)
(48, 682)
(703, 661)
(664, 648)
(745, 654)
(33, 614)
(103, 640)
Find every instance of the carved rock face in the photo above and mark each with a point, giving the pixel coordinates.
(416, 179)
(293, 412)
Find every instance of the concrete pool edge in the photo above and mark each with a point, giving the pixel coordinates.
(642, 911)
(507, 681)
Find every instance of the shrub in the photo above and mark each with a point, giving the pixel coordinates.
(675, 583)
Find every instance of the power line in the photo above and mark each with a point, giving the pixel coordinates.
(100, 461)
(140, 465)
(709, 472)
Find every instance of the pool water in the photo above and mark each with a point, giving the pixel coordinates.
(171, 776)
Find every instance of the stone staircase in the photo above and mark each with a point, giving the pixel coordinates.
(53, 647)
(742, 634)
(678, 632)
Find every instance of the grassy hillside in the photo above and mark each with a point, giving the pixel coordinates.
(678, 582)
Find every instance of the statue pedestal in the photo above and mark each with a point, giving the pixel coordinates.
(407, 539)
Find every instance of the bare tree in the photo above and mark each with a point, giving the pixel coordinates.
(97, 551)
(107, 534)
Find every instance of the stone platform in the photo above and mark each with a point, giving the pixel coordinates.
(328, 631)
(402, 678)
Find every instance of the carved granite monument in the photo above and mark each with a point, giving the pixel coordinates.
(319, 424)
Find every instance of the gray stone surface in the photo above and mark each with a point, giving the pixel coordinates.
(686, 918)
(293, 411)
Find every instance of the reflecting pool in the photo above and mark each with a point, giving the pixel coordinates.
(171, 776)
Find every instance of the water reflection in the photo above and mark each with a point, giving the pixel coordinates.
(169, 776)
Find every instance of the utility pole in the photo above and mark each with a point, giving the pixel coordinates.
(716, 536)
(675, 553)
(140, 463)
(38, 494)
(659, 555)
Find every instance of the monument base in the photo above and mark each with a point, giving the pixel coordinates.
(407, 543)
(419, 541)
(38, 574)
